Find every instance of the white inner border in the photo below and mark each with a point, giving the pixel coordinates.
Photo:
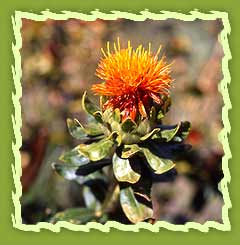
(17, 121)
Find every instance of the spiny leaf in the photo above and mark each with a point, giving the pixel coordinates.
(97, 150)
(107, 116)
(117, 115)
(166, 150)
(123, 171)
(143, 128)
(92, 167)
(130, 138)
(91, 108)
(173, 132)
(95, 176)
(128, 125)
(66, 170)
(134, 210)
(102, 101)
(170, 133)
(115, 126)
(150, 134)
(74, 157)
(184, 130)
(98, 116)
(159, 165)
(69, 172)
(79, 132)
(130, 150)
(93, 129)
(144, 185)
(71, 162)
(164, 107)
(153, 114)
(76, 129)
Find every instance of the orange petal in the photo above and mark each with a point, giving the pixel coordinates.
(156, 98)
(133, 112)
(141, 108)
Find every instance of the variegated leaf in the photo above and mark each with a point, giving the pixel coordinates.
(159, 165)
(123, 170)
(134, 210)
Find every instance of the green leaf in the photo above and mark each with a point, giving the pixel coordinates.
(184, 129)
(178, 133)
(130, 150)
(159, 165)
(93, 129)
(153, 114)
(79, 132)
(92, 167)
(74, 157)
(166, 105)
(160, 115)
(76, 129)
(91, 108)
(97, 150)
(107, 116)
(123, 171)
(149, 135)
(75, 216)
(117, 115)
(134, 210)
(143, 128)
(112, 117)
(93, 176)
(115, 126)
(168, 134)
(98, 116)
(66, 170)
(164, 108)
(130, 138)
(71, 161)
(88, 105)
(128, 125)
(102, 101)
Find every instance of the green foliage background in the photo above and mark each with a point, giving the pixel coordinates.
(9, 234)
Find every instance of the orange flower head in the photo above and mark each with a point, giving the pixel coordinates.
(133, 79)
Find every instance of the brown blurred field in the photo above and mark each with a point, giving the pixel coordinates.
(59, 59)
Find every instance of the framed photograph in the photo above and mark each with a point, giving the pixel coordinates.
(119, 122)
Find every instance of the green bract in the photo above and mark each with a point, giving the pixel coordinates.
(135, 152)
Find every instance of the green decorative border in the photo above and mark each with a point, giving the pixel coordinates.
(17, 121)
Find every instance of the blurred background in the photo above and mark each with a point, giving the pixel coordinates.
(59, 59)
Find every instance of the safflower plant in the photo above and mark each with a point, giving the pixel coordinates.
(124, 148)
